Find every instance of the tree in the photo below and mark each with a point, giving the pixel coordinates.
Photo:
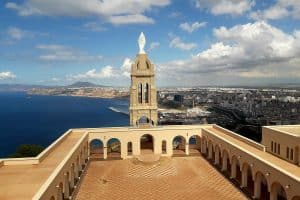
(27, 150)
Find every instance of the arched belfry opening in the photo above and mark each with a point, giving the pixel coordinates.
(143, 102)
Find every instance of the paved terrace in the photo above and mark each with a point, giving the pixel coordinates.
(23, 181)
(188, 178)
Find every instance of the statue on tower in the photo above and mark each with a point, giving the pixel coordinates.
(142, 43)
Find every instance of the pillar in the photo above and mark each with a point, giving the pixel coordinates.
(105, 152)
(71, 177)
(257, 187)
(209, 152)
(59, 193)
(169, 147)
(124, 150)
(66, 186)
(244, 178)
(233, 170)
(157, 145)
(217, 157)
(187, 149)
(76, 172)
(224, 162)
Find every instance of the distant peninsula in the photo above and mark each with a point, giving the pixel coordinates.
(83, 89)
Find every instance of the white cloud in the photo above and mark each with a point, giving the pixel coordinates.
(18, 34)
(153, 45)
(54, 52)
(253, 50)
(281, 9)
(232, 7)
(192, 26)
(94, 26)
(131, 19)
(126, 67)
(7, 75)
(176, 42)
(107, 72)
(116, 12)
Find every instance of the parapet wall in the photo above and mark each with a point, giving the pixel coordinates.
(241, 138)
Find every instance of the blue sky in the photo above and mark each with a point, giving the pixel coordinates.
(191, 42)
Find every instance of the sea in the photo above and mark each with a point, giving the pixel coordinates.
(35, 119)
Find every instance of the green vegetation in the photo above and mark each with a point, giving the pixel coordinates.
(27, 150)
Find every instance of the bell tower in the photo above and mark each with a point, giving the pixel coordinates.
(143, 102)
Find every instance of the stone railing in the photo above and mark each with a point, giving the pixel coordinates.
(241, 138)
(37, 159)
(58, 174)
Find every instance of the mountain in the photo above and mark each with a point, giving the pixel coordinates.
(84, 85)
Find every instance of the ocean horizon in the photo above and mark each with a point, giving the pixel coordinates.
(37, 119)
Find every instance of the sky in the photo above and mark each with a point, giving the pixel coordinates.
(190, 42)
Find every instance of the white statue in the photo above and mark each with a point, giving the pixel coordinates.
(142, 43)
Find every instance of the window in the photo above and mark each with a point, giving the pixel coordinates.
(278, 149)
(275, 147)
(146, 91)
(292, 154)
(272, 146)
(287, 152)
(140, 92)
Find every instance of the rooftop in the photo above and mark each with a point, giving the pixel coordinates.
(290, 129)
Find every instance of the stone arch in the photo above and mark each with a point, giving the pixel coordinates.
(66, 189)
(236, 170)
(210, 150)
(204, 145)
(140, 93)
(296, 198)
(147, 143)
(148, 64)
(261, 186)
(146, 93)
(52, 198)
(129, 148)
(60, 194)
(247, 179)
(96, 149)
(217, 155)
(277, 192)
(114, 148)
(195, 145)
(226, 166)
(179, 144)
(164, 147)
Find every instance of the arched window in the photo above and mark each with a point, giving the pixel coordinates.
(146, 91)
(140, 92)
(148, 65)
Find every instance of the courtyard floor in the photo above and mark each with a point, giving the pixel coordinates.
(170, 178)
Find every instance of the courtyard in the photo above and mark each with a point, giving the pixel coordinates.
(169, 178)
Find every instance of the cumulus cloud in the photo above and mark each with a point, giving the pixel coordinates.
(116, 12)
(107, 72)
(7, 75)
(190, 27)
(55, 52)
(281, 9)
(250, 50)
(219, 7)
(177, 43)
